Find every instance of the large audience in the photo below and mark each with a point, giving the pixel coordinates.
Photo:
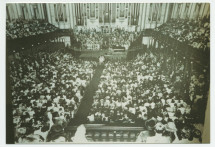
(47, 90)
(194, 33)
(25, 28)
(137, 91)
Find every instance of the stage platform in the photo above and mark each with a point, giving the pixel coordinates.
(110, 54)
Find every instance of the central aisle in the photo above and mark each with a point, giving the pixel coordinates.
(87, 101)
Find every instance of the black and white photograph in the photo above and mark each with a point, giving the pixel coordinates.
(107, 73)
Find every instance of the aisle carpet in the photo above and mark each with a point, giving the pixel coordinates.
(87, 101)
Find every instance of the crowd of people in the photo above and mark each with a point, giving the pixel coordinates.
(154, 91)
(94, 39)
(137, 91)
(175, 133)
(89, 39)
(46, 91)
(24, 28)
(122, 38)
(194, 33)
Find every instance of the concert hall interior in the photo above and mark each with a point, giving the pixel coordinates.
(107, 72)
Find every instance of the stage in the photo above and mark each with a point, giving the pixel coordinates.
(109, 54)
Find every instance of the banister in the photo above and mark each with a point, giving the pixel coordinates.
(106, 133)
(103, 127)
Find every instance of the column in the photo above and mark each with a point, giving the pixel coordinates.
(143, 16)
(103, 14)
(140, 16)
(130, 6)
(29, 11)
(173, 11)
(164, 14)
(42, 10)
(39, 9)
(182, 11)
(207, 5)
(99, 11)
(133, 11)
(147, 15)
(63, 14)
(78, 14)
(138, 13)
(95, 9)
(189, 10)
(135, 8)
(32, 10)
(73, 14)
(192, 11)
(48, 13)
(70, 15)
(158, 13)
(111, 9)
(208, 12)
(201, 10)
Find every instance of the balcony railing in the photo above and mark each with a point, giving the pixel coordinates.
(105, 133)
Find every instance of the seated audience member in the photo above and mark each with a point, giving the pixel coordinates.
(56, 134)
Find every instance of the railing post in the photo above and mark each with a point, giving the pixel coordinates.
(114, 136)
(107, 134)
